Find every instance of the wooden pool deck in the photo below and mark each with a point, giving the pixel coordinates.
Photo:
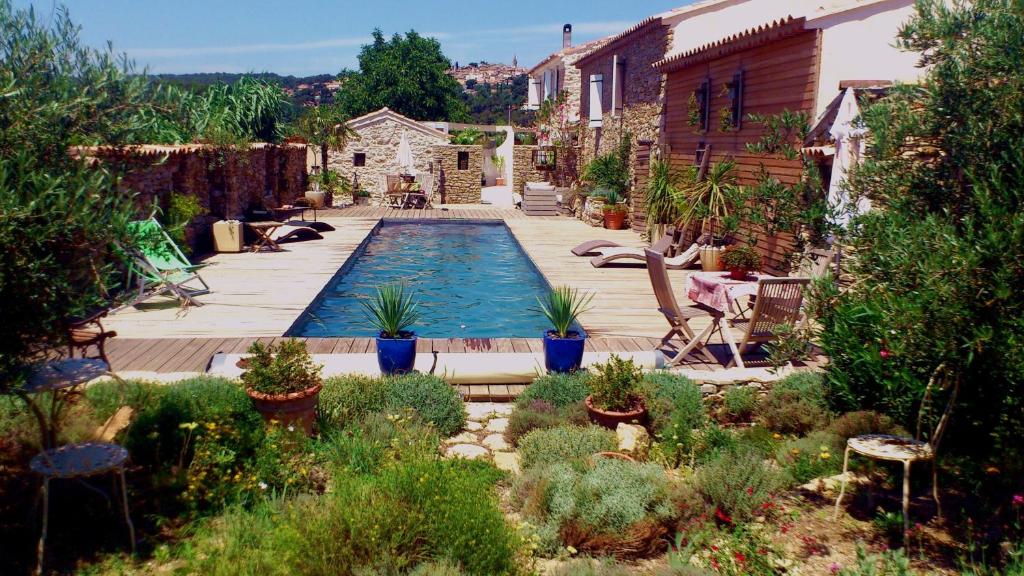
(259, 296)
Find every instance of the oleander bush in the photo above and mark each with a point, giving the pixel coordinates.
(607, 506)
(738, 483)
(389, 522)
(795, 405)
(347, 399)
(539, 414)
(564, 444)
(557, 390)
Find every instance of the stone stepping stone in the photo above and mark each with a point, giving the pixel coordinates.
(464, 438)
(467, 451)
(480, 411)
(473, 426)
(497, 424)
(496, 442)
(508, 461)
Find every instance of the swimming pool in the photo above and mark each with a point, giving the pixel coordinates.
(471, 279)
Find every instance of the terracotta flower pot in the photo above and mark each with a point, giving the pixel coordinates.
(738, 273)
(295, 407)
(613, 220)
(611, 419)
(499, 181)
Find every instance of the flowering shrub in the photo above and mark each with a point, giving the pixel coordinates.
(817, 455)
(738, 484)
(737, 551)
(739, 404)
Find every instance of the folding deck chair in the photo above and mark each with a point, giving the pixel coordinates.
(158, 266)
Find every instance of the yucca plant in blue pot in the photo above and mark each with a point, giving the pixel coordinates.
(391, 312)
(563, 346)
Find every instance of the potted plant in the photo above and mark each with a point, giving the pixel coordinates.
(740, 261)
(362, 198)
(391, 312)
(563, 346)
(499, 166)
(283, 382)
(716, 201)
(615, 394)
(614, 211)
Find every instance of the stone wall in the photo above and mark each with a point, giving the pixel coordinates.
(642, 93)
(379, 142)
(459, 186)
(523, 168)
(227, 185)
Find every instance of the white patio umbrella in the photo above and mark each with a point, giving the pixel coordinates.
(404, 156)
(849, 144)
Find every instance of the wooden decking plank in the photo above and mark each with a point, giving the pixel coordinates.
(342, 346)
(520, 345)
(136, 348)
(503, 345)
(162, 355)
(455, 345)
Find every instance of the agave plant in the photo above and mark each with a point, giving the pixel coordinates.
(562, 306)
(391, 311)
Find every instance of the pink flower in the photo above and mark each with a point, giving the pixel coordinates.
(1018, 499)
(834, 568)
(883, 353)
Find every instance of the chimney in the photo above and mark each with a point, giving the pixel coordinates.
(567, 36)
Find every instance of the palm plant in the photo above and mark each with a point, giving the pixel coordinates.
(326, 127)
(715, 200)
(391, 311)
(562, 306)
(662, 189)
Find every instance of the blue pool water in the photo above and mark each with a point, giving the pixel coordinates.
(471, 279)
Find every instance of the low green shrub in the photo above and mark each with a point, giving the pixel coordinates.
(160, 432)
(673, 401)
(564, 444)
(378, 440)
(738, 483)
(107, 396)
(816, 455)
(591, 567)
(432, 398)
(539, 414)
(609, 506)
(795, 405)
(557, 389)
(346, 399)
(854, 424)
(739, 404)
(616, 384)
(712, 442)
(445, 510)
(759, 439)
(888, 563)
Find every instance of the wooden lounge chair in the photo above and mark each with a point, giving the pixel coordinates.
(158, 266)
(667, 241)
(778, 302)
(680, 261)
(293, 232)
(678, 318)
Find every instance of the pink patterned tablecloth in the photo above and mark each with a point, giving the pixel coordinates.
(716, 290)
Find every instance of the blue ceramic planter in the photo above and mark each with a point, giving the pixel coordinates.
(563, 354)
(396, 355)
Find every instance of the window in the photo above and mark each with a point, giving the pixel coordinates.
(703, 96)
(359, 159)
(735, 90)
(544, 159)
(463, 160)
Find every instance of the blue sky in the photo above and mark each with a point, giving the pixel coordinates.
(316, 36)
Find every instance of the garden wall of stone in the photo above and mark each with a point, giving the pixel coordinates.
(455, 185)
(523, 168)
(226, 184)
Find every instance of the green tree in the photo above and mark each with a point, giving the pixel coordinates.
(406, 74)
(938, 270)
(325, 127)
(59, 217)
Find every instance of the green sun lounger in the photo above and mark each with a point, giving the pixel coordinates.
(158, 266)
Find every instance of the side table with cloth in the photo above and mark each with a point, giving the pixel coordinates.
(718, 292)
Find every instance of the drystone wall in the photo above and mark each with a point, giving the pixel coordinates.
(378, 146)
(523, 168)
(226, 184)
(455, 185)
